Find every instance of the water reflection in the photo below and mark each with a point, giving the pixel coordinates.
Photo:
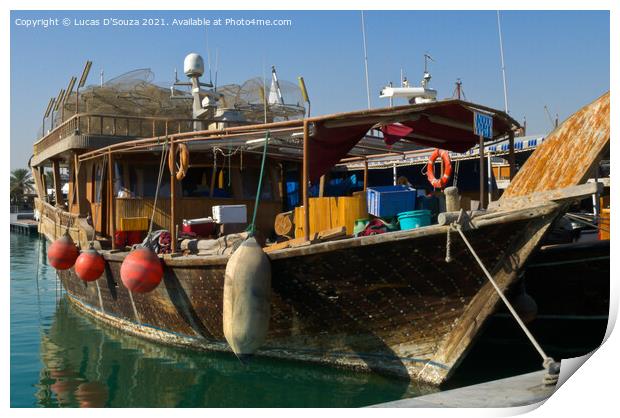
(88, 365)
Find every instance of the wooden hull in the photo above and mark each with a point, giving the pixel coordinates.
(387, 303)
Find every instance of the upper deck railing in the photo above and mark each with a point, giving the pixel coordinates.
(114, 126)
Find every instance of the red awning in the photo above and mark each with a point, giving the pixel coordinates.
(329, 145)
(444, 124)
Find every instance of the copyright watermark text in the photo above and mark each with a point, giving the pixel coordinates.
(52, 22)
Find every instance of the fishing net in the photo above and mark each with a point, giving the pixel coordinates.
(136, 94)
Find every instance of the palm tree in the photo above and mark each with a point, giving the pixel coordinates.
(21, 183)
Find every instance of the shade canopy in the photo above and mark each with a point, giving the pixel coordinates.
(447, 124)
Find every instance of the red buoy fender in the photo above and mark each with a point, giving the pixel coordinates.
(90, 265)
(439, 183)
(141, 270)
(62, 253)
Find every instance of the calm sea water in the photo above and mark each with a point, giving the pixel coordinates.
(61, 358)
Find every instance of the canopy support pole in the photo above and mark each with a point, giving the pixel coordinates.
(57, 186)
(306, 170)
(489, 177)
(322, 186)
(481, 152)
(112, 220)
(173, 169)
(365, 174)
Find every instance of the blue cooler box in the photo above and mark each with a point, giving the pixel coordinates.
(386, 201)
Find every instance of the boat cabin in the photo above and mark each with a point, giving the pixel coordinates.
(153, 173)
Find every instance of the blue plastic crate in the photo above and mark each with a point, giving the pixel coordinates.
(386, 201)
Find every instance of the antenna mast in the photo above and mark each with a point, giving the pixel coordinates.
(501, 53)
(459, 92)
(208, 55)
(365, 59)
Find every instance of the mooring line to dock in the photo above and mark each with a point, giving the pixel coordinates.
(133, 305)
(548, 362)
(99, 294)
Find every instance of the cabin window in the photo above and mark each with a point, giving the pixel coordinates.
(198, 182)
(142, 181)
(149, 176)
(250, 184)
(293, 192)
(98, 175)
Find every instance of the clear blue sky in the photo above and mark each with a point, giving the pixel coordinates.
(559, 59)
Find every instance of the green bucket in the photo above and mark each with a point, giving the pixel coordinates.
(414, 219)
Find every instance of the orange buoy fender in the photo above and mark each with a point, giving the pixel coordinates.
(90, 265)
(62, 253)
(141, 270)
(247, 298)
(183, 154)
(441, 182)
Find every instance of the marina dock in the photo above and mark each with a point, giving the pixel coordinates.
(25, 226)
(525, 389)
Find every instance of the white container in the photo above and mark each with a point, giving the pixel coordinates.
(230, 214)
(198, 221)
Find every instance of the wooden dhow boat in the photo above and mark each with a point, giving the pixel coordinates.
(387, 303)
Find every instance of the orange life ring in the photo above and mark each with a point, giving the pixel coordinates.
(183, 152)
(439, 183)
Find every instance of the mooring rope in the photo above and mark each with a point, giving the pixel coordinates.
(548, 361)
(162, 163)
(455, 177)
(448, 247)
(252, 228)
(103, 163)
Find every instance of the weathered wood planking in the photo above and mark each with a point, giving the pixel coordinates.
(367, 303)
(567, 154)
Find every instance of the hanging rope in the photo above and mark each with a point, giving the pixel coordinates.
(252, 228)
(103, 163)
(448, 247)
(162, 164)
(455, 178)
(228, 155)
(548, 362)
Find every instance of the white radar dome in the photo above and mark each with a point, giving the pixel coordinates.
(193, 65)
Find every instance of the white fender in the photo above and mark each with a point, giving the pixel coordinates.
(247, 298)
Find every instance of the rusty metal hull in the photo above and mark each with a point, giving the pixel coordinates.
(387, 303)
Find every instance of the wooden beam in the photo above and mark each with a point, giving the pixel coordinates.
(577, 192)
(79, 185)
(306, 171)
(112, 215)
(322, 186)
(173, 180)
(57, 186)
(43, 183)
